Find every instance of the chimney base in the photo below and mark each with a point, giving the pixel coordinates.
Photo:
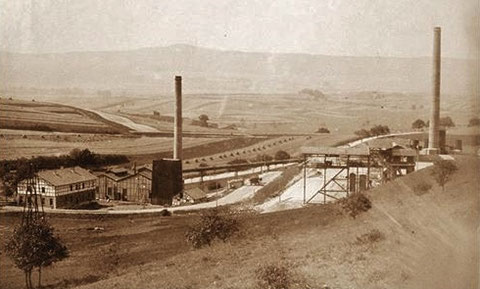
(432, 151)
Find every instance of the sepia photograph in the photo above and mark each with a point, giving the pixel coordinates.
(253, 144)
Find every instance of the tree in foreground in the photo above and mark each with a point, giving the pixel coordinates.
(33, 244)
(442, 171)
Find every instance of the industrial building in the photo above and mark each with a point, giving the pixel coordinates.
(125, 185)
(60, 188)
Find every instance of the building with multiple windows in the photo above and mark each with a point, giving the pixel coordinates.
(62, 188)
(126, 185)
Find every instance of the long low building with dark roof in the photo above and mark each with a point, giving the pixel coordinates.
(62, 188)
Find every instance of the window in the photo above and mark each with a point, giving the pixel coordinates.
(83, 185)
(43, 201)
(43, 189)
(51, 202)
(71, 187)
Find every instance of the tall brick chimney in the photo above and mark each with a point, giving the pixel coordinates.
(433, 134)
(177, 130)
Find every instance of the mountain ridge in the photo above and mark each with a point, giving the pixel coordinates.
(221, 71)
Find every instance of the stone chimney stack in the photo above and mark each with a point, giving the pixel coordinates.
(433, 135)
(177, 130)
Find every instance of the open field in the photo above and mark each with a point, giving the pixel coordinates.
(296, 113)
(424, 241)
(15, 145)
(17, 114)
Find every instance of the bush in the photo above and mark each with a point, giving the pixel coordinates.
(323, 130)
(421, 188)
(282, 155)
(362, 133)
(355, 204)
(379, 130)
(418, 124)
(238, 162)
(263, 158)
(475, 121)
(274, 277)
(212, 225)
(371, 237)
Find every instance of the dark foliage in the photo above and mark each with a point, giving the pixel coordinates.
(274, 277)
(282, 155)
(323, 130)
(355, 204)
(442, 171)
(238, 162)
(33, 245)
(474, 122)
(213, 224)
(418, 124)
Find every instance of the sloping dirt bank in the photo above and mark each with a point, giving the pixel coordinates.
(409, 239)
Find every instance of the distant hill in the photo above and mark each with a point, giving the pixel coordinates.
(151, 70)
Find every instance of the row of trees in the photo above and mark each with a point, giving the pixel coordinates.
(444, 121)
(373, 131)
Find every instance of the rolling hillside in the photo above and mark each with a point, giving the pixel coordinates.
(151, 70)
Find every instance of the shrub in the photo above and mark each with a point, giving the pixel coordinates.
(274, 277)
(263, 158)
(282, 155)
(442, 171)
(475, 121)
(371, 237)
(323, 130)
(362, 133)
(238, 162)
(418, 124)
(212, 225)
(421, 188)
(355, 204)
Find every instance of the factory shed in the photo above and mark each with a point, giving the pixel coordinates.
(125, 185)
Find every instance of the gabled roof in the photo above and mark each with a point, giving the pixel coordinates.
(147, 167)
(195, 193)
(66, 176)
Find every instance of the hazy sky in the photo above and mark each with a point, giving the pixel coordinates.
(334, 27)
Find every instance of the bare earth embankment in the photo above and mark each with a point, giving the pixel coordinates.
(408, 239)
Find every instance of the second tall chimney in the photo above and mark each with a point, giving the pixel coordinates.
(433, 133)
(177, 130)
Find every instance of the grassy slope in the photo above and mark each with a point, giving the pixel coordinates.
(429, 243)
